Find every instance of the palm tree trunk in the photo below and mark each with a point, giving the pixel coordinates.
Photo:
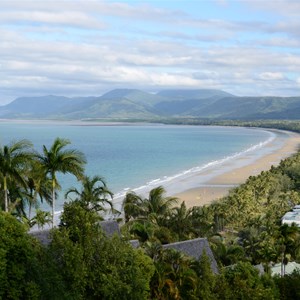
(282, 265)
(29, 212)
(32, 194)
(5, 194)
(53, 200)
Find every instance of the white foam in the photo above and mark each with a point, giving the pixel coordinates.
(167, 180)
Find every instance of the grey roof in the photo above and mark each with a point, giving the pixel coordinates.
(289, 268)
(42, 235)
(134, 243)
(195, 248)
(110, 228)
(292, 217)
(260, 269)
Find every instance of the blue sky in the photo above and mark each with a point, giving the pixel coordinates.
(88, 47)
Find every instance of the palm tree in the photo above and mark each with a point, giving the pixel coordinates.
(14, 159)
(154, 208)
(57, 159)
(290, 243)
(181, 222)
(94, 194)
(38, 186)
(40, 219)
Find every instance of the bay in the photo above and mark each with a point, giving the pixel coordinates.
(132, 157)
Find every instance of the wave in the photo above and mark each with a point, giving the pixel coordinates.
(185, 173)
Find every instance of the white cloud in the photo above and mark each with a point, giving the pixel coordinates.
(271, 76)
(289, 8)
(58, 18)
(85, 47)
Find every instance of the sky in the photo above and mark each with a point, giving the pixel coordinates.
(89, 47)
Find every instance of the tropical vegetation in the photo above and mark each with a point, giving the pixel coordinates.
(80, 262)
(57, 159)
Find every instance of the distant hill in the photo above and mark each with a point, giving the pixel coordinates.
(133, 103)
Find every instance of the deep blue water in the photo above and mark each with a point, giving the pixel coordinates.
(132, 156)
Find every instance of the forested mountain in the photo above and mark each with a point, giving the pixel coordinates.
(132, 103)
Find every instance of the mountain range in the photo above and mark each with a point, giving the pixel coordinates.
(137, 104)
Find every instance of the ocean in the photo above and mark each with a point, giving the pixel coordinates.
(139, 157)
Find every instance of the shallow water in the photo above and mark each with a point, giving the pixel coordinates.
(140, 157)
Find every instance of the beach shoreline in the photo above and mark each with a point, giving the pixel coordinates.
(219, 185)
(204, 184)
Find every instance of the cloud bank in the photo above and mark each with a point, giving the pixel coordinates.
(87, 47)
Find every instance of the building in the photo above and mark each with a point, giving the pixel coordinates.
(292, 216)
(109, 228)
(195, 248)
(289, 268)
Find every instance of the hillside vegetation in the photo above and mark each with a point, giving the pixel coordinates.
(131, 103)
(243, 230)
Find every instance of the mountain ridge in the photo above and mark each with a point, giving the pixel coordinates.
(134, 103)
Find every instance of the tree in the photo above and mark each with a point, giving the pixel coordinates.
(181, 222)
(146, 217)
(154, 207)
(37, 186)
(13, 160)
(18, 265)
(57, 159)
(206, 282)
(242, 281)
(94, 266)
(226, 254)
(94, 194)
(288, 285)
(40, 219)
(173, 278)
(289, 240)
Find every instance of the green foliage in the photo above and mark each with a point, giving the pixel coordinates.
(190, 223)
(252, 212)
(146, 218)
(242, 281)
(82, 224)
(81, 263)
(289, 285)
(173, 278)
(226, 254)
(40, 219)
(207, 280)
(155, 207)
(14, 160)
(94, 194)
(60, 160)
(17, 261)
(94, 266)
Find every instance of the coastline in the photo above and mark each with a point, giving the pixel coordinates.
(219, 184)
(204, 184)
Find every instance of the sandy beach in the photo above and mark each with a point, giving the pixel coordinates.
(219, 185)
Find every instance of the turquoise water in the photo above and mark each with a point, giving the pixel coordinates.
(129, 157)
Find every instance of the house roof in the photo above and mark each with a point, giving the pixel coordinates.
(292, 216)
(134, 243)
(289, 268)
(42, 235)
(195, 248)
(109, 228)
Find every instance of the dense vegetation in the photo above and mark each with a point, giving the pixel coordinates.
(243, 229)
